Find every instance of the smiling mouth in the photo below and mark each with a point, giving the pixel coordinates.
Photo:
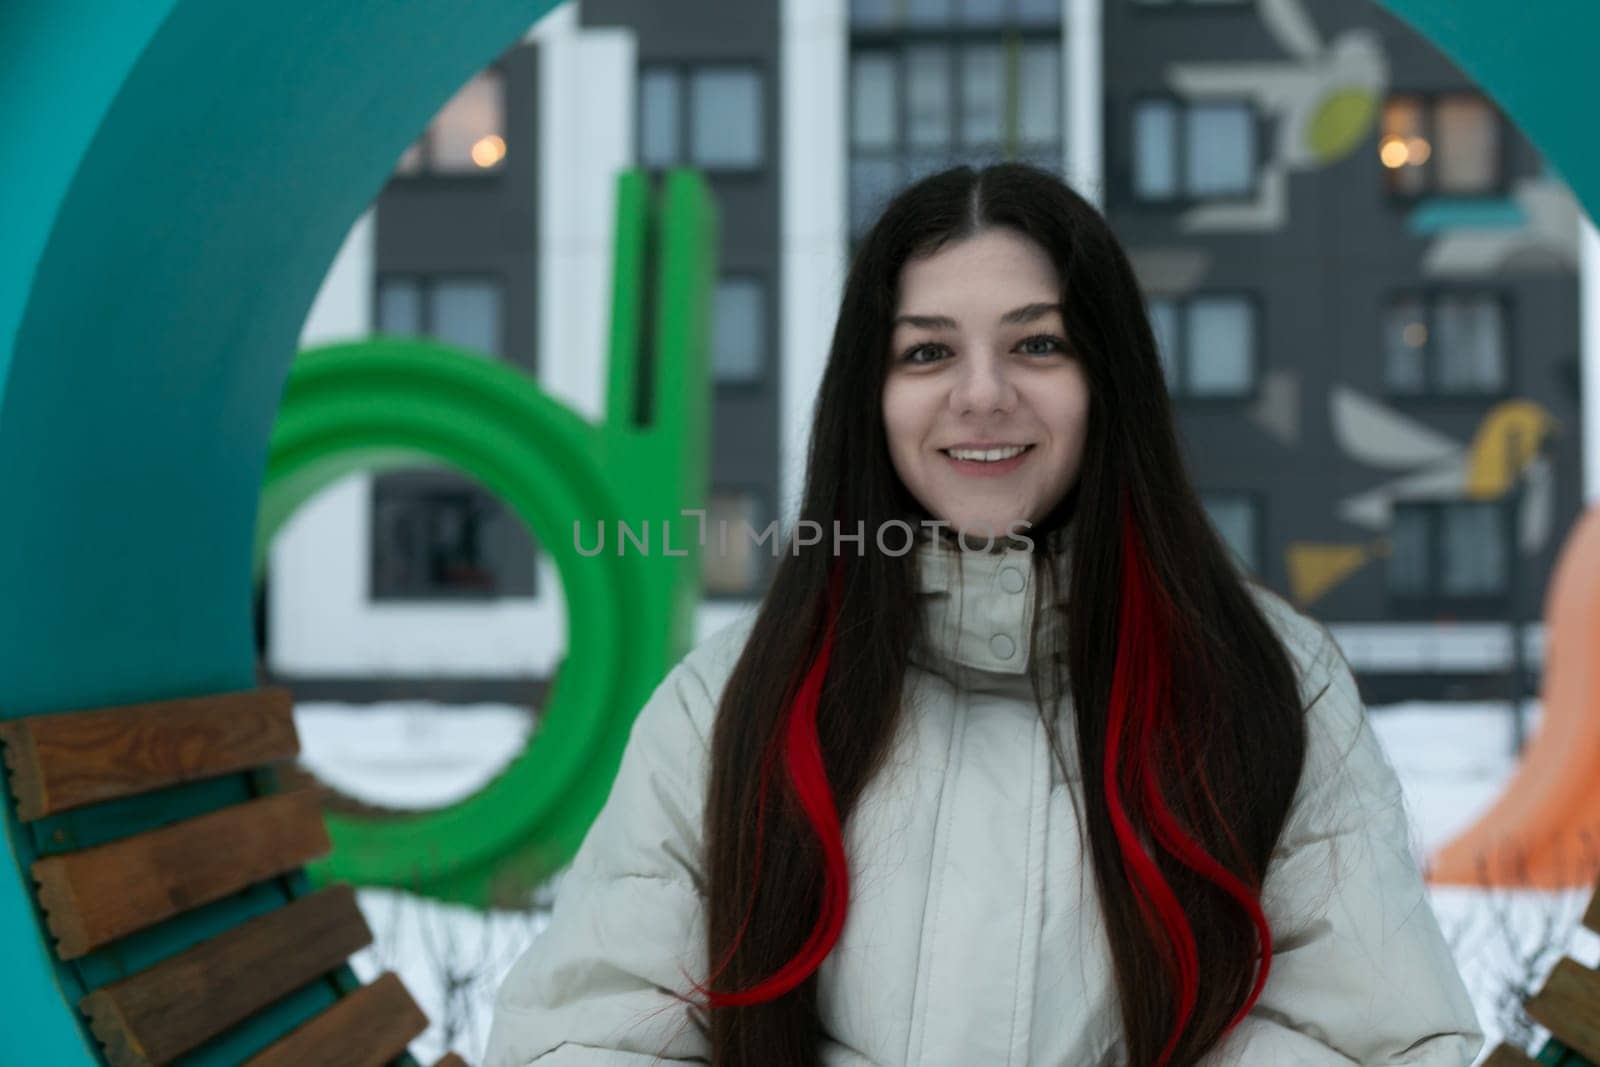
(998, 454)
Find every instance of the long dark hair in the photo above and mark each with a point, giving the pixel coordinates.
(1188, 718)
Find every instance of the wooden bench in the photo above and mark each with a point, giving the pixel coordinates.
(95, 896)
(1568, 1005)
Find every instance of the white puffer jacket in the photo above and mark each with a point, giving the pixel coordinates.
(974, 935)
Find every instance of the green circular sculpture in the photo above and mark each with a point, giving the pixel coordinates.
(386, 403)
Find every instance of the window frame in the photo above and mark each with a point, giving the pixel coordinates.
(1429, 100)
(892, 41)
(1184, 199)
(425, 172)
(1429, 296)
(684, 70)
(1433, 601)
(418, 485)
(1178, 388)
(1256, 500)
(895, 23)
(763, 378)
(1192, 5)
(763, 555)
(426, 282)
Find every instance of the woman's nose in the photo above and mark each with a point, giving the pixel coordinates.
(982, 387)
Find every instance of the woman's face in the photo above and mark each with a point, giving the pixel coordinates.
(984, 406)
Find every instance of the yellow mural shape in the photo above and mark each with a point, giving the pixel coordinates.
(1316, 568)
(1508, 439)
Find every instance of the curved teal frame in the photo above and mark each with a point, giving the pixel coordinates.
(179, 173)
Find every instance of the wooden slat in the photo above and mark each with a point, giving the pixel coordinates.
(451, 1060)
(1506, 1056)
(1569, 1007)
(1591, 918)
(96, 895)
(65, 761)
(369, 1028)
(158, 1014)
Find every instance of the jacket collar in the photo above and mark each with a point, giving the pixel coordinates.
(978, 609)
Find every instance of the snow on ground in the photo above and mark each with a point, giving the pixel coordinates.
(1452, 761)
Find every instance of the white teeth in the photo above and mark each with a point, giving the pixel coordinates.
(987, 455)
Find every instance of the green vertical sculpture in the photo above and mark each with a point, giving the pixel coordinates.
(387, 402)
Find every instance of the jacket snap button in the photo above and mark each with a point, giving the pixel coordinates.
(1011, 580)
(1002, 646)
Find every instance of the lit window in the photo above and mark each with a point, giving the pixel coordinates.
(1449, 344)
(1468, 155)
(1449, 145)
(467, 136)
(731, 560)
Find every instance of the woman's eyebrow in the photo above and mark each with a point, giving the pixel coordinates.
(1016, 316)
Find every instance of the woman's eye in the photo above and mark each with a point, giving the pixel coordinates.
(920, 354)
(1055, 344)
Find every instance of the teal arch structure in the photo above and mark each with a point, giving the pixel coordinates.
(179, 173)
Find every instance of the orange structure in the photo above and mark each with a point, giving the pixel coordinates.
(1544, 830)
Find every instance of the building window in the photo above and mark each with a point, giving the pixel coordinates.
(467, 312)
(467, 136)
(739, 331)
(1448, 553)
(702, 116)
(1445, 344)
(1448, 145)
(963, 81)
(1208, 344)
(732, 563)
(939, 14)
(436, 536)
(1186, 151)
(1237, 520)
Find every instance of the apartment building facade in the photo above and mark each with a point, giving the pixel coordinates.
(1364, 281)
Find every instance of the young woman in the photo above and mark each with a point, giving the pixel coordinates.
(1051, 785)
